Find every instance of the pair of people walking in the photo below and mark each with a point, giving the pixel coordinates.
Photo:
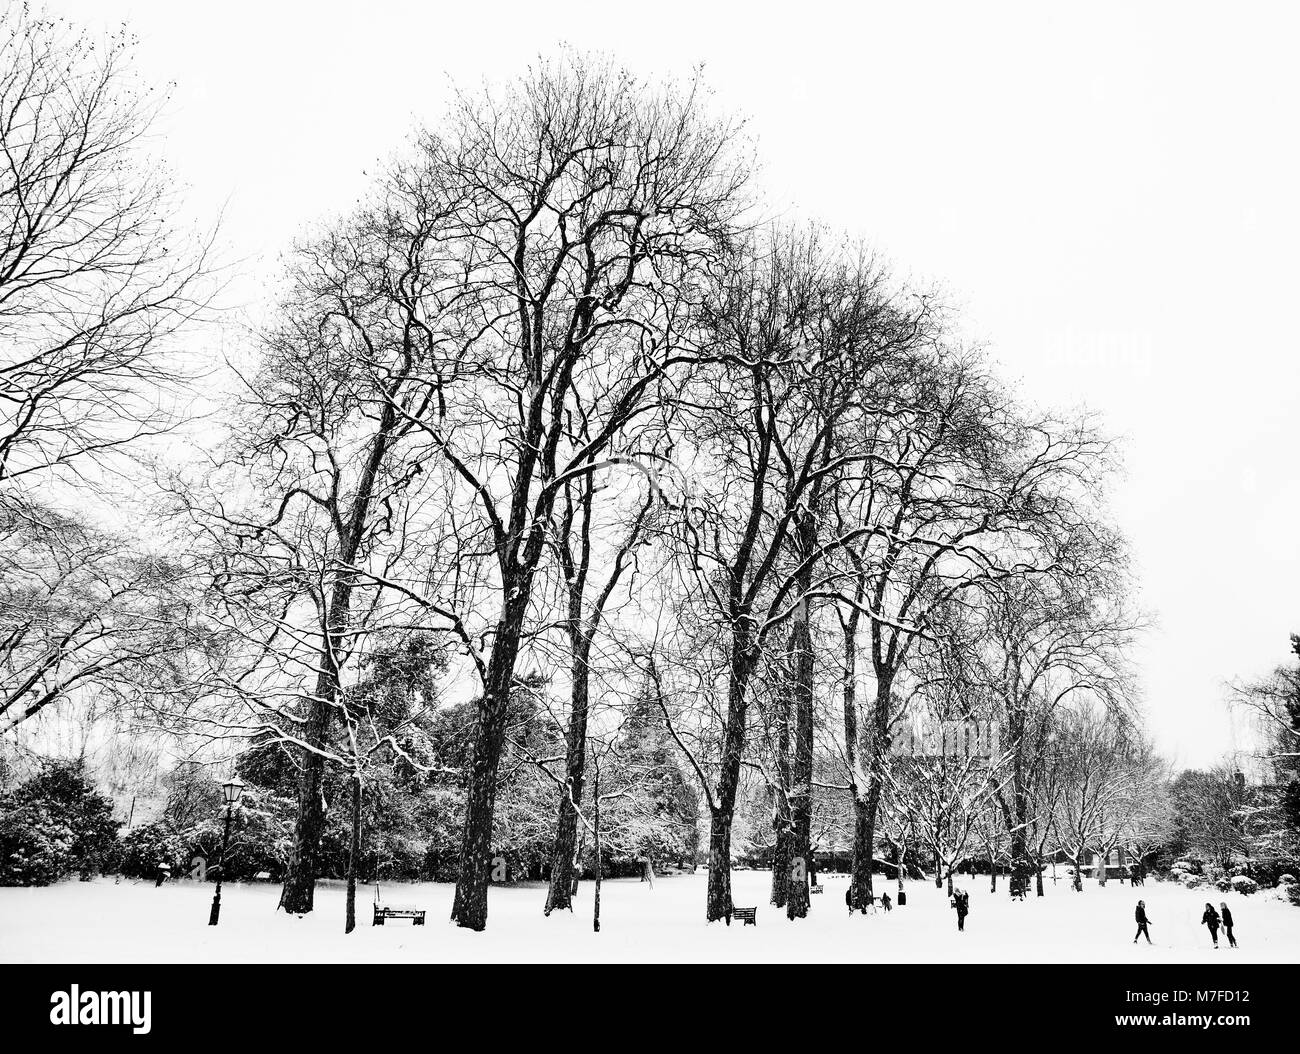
(1213, 919)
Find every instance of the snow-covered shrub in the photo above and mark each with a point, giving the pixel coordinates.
(1286, 880)
(151, 844)
(254, 847)
(36, 847)
(1244, 885)
(53, 825)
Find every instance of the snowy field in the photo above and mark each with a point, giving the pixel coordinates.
(109, 922)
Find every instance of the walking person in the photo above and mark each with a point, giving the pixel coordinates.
(1143, 922)
(887, 904)
(1226, 916)
(1210, 918)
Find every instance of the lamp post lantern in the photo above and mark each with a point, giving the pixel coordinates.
(231, 791)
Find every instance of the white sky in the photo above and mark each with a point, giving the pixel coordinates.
(1112, 195)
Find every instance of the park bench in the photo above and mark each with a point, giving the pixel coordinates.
(416, 915)
(749, 916)
(395, 911)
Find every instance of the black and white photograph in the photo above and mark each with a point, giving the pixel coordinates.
(675, 484)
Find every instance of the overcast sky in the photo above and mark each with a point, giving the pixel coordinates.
(1112, 196)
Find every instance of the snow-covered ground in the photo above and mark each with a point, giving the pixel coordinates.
(103, 921)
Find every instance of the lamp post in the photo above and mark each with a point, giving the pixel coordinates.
(230, 793)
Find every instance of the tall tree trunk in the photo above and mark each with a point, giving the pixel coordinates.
(781, 852)
(859, 779)
(595, 909)
(354, 855)
(860, 865)
(801, 772)
(564, 848)
(469, 908)
(1019, 818)
(781, 855)
(719, 904)
(866, 811)
(298, 894)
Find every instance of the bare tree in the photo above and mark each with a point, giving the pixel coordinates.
(95, 276)
(576, 537)
(586, 207)
(1275, 702)
(85, 614)
(1105, 772)
(795, 331)
(1211, 810)
(946, 775)
(963, 490)
(320, 517)
(1052, 640)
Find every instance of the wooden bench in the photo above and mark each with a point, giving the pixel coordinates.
(395, 911)
(749, 916)
(382, 912)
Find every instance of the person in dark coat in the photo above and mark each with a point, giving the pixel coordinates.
(887, 904)
(1210, 918)
(1143, 922)
(1226, 916)
(961, 901)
